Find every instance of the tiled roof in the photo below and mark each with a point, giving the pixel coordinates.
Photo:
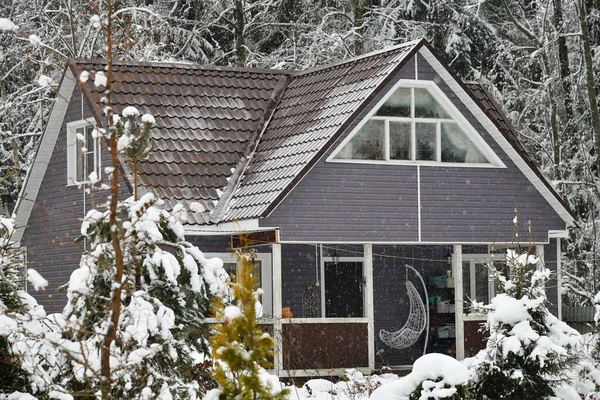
(205, 119)
(313, 111)
(487, 103)
(237, 140)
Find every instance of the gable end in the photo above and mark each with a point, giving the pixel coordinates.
(539, 182)
(34, 178)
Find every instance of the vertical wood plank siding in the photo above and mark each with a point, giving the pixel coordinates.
(378, 203)
(55, 221)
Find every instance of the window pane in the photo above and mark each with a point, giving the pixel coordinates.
(425, 141)
(398, 105)
(231, 269)
(367, 144)
(89, 140)
(79, 160)
(426, 106)
(481, 283)
(89, 161)
(456, 146)
(466, 272)
(400, 148)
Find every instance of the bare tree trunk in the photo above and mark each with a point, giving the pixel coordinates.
(358, 11)
(591, 91)
(115, 301)
(238, 29)
(556, 141)
(563, 60)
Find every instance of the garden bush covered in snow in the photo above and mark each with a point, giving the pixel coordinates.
(434, 376)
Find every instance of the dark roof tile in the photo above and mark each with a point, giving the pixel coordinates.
(205, 117)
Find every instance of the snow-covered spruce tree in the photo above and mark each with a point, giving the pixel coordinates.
(529, 351)
(164, 295)
(587, 375)
(12, 376)
(241, 349)
(28, 363)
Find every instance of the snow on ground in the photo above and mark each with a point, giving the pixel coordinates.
(355, 386)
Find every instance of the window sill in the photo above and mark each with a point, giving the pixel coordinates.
(474, 317)
(352, 320)
(416, 163)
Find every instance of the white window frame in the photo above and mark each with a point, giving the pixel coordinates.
(455, 116)
(475, 260)
(323, 299)
(266, 276)
(73, 159)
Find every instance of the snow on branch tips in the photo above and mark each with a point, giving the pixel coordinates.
(7, 25)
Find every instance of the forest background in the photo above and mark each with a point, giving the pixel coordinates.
(539, 58)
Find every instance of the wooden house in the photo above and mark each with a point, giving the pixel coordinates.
(373, 190)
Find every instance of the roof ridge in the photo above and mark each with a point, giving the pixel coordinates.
(358, 58)
(183, 65)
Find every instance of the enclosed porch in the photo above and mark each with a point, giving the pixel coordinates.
(369, 306)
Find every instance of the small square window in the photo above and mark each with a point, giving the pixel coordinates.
(83, 152)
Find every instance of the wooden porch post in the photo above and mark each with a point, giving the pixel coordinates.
(277, 304)
(457, 272)
(370, 310)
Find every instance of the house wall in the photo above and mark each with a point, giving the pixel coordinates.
(348, 202)
(212, 244)
(55, 221)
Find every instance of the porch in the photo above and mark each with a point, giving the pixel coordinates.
(332, 304)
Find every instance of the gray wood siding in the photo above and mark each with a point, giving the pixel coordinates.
(211, 244)
(55, 221)
(345, 202)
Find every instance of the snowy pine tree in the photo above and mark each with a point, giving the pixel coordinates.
(12, 376)
(241, 349)
(165, 289)
(529, 351)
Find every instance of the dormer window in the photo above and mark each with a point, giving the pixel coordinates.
(83, 153)
(416, 124)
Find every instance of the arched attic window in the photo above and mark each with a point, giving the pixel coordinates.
(416, 123)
